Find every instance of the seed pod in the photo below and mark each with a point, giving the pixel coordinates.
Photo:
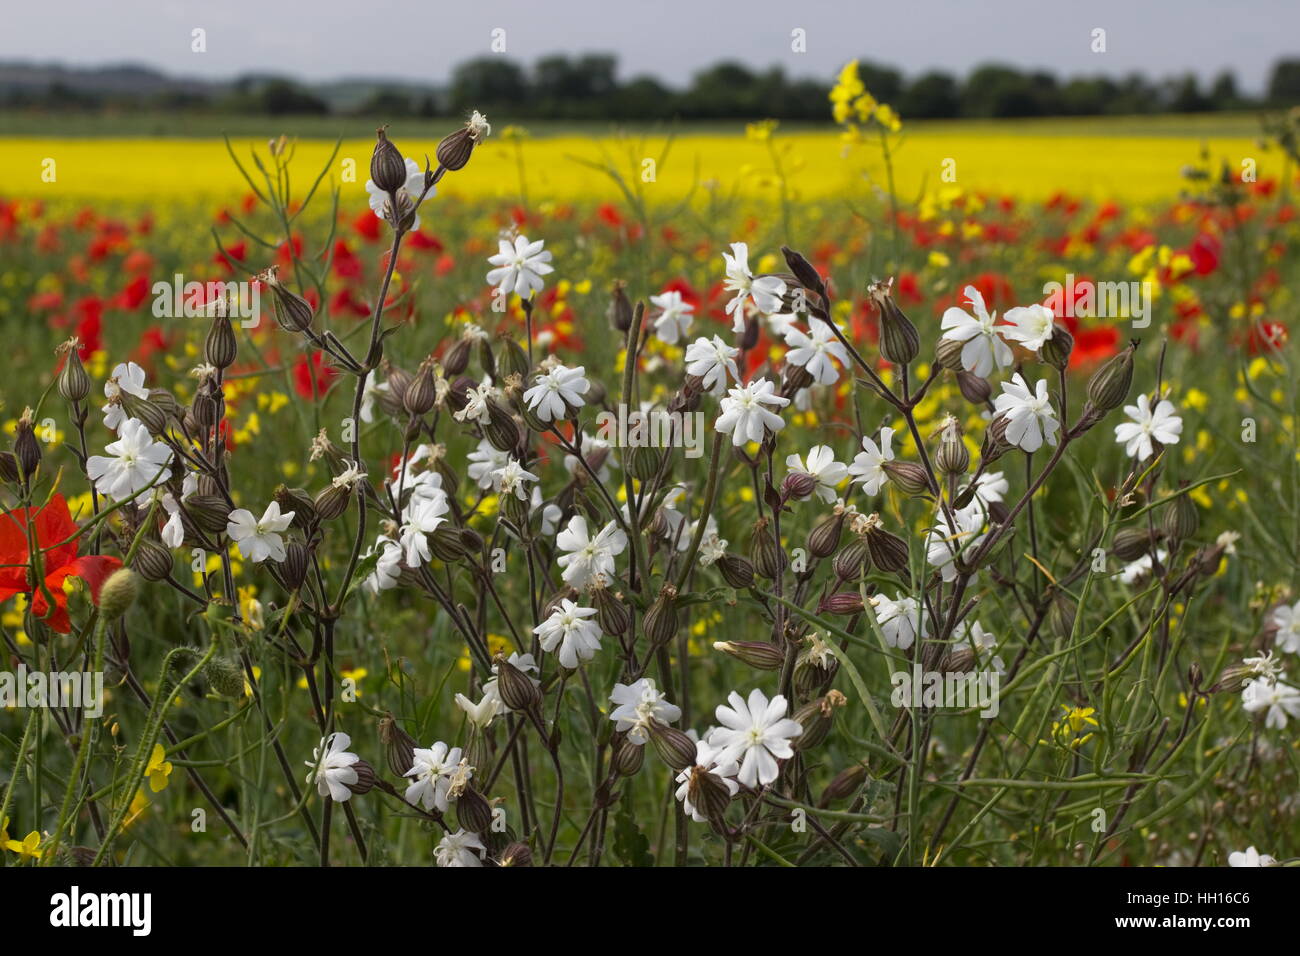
(737, 571)
(760, 655)
(1060, 616)
(909, 477)
(660, 622)
(473, 812)
(825, 537)
(1056, 350)
(293, 313)
(220, 347)
(611, 613)
(749, 337)
(8, 466)
(674, 747)
(974, 389)
(27, 450)
(501, 430)
(626, 757)
(810, 676)
(456, 359)
(209, 513)
(118, 593)
(816, 718)
(953, 457)
(516, 854)
(845, 603)
(74, 383)
(797, 486)
(422, 392)
(387, 167)
(707, 792)
(1130, 544)
(844, 784)
(514, 360)
(446, 544)
(1110, 384)
(959, 660)
(899, 340)
(294, 566)
(225, 676)
(852, 560)
(517, 690)
(1234, 679)
(795, 379)
(455, 149)
(332, 502)
(947, 352)
(888, 551)
(365, 781)
(1181, 519)
(149, 413)
(399, 746)
(152, 560)
(764, 551)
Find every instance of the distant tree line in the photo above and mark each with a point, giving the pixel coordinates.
(587, 87)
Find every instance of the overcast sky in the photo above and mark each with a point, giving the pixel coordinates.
(328, 39)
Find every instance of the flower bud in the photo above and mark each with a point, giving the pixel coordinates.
(365, 781)
(152, 560)
(294, 566)
(387, 167)
(118, 593)
(707, 793)
(1056, 350)
(1181, 519)
(1129, 544)
(456, 359)
(959, 660)
(210, 513)
(947, 352)
(332, 502)
(844, 785)
(296, 500)
(852, 560)
(517, 690)
(797, 486)
(454, 150)
(516, 854)
(514, 360)
(27, 450)
(225, 676)
(501, 430)
(473, 812)
(737, 571)
(888, 551)
(74, 383)
(760, 655)
(899, 341)
(626, 757)
(816, 717)
(293, 313)
(674, 747)
(1109, 385)
(422, 392)
(611, 613)
(399, 746)
(764, 551)
(907, 476)
(803, 270)
(620, 308)
(845, 603)
(645, 463)
(446, 544)
(974, 389)
(8, 466)
(660, 621)
(220, 347)
(825, 537)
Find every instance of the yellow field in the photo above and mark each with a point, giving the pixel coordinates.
(1031, 165)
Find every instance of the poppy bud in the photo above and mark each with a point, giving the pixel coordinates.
(224, 676)
(387, 167)
(118, 593)
(760, 655)
(674, 747)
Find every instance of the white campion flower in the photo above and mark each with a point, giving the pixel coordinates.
(989, 487)
(636, 705)
(745, 415)
(814, 350)
(1250, 857)
(421, 517)
(461, 848)
(973, 635)
(349, 476)
(868, 465)
(1160, 424)
(764, 291)
(370, 395)
(943, 543)
(485, 460)
(482, 713)
(127, 378)
(413, 186)
(1030, 416)
(675, 316)
(706, 756)
(431, 773)
(821, 466)
(173, 532)
(712, 547)
(586, 556)
(388, 568)
(332, 767)
(520, 266)
(1287, 621)
(1030, 325)
(259, 538)
(511, 478)
(712, 361)
(549, 510)
(1276, 699)
(556, 391)
(476, 405)
(756, 734)
(983, 350)
(134, 462)
(1135, 571)
(571, 629)
(900, 619)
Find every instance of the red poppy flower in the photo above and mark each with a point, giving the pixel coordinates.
(52, 526)
(312, 380)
